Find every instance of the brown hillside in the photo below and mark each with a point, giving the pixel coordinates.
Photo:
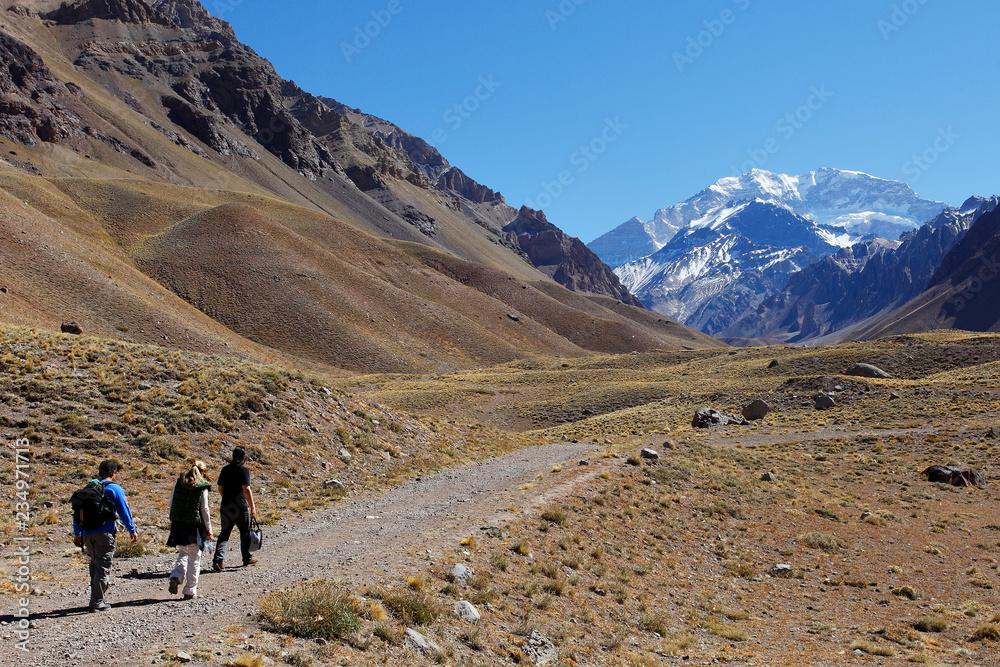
(159, 171)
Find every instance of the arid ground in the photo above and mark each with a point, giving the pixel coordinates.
(530, 474)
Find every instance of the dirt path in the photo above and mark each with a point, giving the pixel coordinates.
(370, 538)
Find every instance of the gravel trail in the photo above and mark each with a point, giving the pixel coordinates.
(368, 538)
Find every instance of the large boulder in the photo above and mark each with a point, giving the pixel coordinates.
(756, 410)
(71, 328)
(824, 401)
(467, 611)
(708, 417)
(867, 371)
(954, 475)
(421, 642)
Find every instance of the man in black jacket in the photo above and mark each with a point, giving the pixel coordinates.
(237, 509)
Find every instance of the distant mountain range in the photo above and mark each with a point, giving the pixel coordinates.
(844, 292)
(964, 291)
(713, 259)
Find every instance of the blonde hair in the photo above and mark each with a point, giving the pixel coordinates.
(196, 474)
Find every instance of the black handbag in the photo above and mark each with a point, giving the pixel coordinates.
(256, 535)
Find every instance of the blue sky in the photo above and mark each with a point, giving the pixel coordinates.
(598, 111)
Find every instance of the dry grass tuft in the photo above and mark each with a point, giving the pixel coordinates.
(312, 610)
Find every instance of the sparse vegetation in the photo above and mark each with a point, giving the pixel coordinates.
(653, 559)
(312, 610)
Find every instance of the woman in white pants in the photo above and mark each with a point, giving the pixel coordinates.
(190, 528)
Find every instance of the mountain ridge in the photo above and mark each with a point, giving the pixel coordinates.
(832, 297)
(176, 129)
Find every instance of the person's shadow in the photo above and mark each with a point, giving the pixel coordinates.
(83, 611)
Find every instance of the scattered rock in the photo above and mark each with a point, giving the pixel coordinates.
(334, 484)
(584, 462)
(824, 401)
(462, 573)
(650, 454)
(3, 290)
(756, 410)
(774, 364)
(993, 433)
(954, 475)
(540, 648)
(183, 656)
(321, 642)
(71, 328)
(493, 531)
(423, 644)
(782, 569)
(467, 611)
(768, 477)
(894, 396)
(708, 417)
(513, 317)
(867, 371)
(344, 455)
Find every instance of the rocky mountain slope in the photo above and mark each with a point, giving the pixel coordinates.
(566, 259)
(963, 292)
(858, 283)
(160, 182)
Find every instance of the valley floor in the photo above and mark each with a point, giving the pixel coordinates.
(849, 556)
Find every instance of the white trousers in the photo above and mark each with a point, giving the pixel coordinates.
(189, 564)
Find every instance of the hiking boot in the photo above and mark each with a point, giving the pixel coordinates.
(217, 566)
(100, 606)
(174, 584)
(252, 561)
(189, 596)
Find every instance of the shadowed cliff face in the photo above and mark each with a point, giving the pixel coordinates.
(30, 108)
(565, 258)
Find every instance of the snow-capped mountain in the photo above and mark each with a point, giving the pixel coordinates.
(851, 204)
(716, 257)
(725, 263)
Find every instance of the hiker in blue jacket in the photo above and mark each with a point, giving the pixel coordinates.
(99, 544)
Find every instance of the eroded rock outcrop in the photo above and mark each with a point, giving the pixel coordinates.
(126, 11)
(30, 109)
(565, 258)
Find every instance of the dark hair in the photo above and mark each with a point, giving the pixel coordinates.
(107, 469)
(239, 454)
